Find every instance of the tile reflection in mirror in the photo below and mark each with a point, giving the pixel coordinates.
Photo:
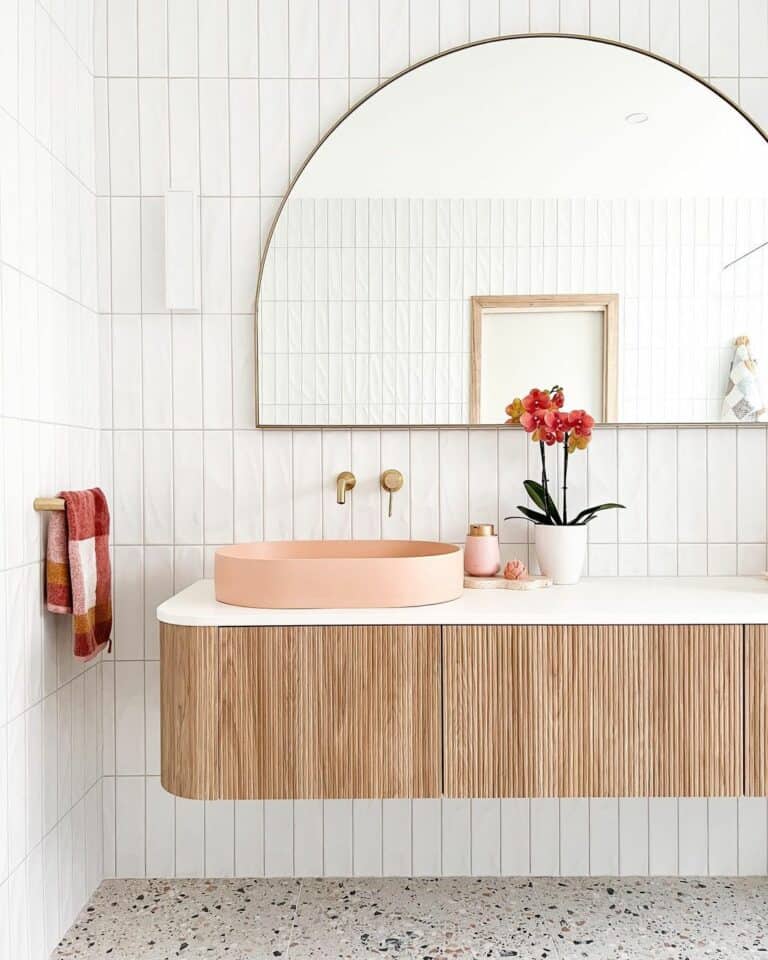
(511, 178)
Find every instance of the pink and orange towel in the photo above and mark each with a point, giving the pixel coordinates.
(77, 570)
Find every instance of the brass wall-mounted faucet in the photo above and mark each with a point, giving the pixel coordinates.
(392, 481)
(345, 481)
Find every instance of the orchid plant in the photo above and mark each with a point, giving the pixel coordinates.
(541, 414)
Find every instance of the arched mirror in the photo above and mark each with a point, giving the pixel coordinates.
(517, 213)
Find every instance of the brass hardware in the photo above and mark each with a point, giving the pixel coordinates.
(48, 503)
(345, 481)
(481, 530)
(391, 481)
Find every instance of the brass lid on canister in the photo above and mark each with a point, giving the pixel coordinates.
(481, 530)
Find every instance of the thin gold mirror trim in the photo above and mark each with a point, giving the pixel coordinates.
(409, 69)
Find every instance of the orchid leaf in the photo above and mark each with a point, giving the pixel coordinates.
(589, 514)
(540, 497)
(533, 515)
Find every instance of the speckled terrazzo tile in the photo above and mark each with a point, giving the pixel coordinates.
(673, 918)
(419, 919)
(160, 919)
(596, 919)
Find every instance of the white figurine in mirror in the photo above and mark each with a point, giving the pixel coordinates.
(743, 397)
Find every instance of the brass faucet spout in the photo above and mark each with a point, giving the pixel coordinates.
(345, 481)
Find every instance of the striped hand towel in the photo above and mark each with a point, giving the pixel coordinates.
(77, 570)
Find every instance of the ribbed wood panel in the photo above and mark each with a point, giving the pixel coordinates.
(592, 711)
(257, 712)
(330, 712)
(756, 711)
(189, 711)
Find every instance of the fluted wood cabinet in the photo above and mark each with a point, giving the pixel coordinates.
(302, 712)
(189, 711)
(484, 711)
(756, 711)
(592, 711)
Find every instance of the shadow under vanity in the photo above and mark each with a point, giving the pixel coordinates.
(647, 687)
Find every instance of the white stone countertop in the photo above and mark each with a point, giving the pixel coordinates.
(597, 600)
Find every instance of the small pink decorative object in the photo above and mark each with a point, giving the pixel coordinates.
(515, 570)
(482, 557)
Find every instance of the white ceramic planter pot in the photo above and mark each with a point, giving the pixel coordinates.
(560, 552)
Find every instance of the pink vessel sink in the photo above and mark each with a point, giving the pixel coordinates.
(338, 573)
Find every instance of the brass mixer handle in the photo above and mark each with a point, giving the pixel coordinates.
(392, 481)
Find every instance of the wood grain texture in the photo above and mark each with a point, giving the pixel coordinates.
(330, 712)
(257, 713)
(189, 711)
(756, 711)
(592, 711)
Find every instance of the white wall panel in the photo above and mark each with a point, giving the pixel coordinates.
(160, 830)
(190, 837)
(457, 837)
(574, 836)
(633, 836)
(545, 836)
(219, 838)
(427, 827)
(662, 836)
(338, 833)
(367, 825)
(50, 710)
(515, 839)
(693, 836)
(308, 838)
(396, 839)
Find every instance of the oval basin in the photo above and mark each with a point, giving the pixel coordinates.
(338, 573)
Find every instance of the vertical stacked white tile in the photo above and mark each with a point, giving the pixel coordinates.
(50, 714)
(365, 303)
(226, 99)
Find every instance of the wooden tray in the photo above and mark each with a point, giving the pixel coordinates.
(499, 583)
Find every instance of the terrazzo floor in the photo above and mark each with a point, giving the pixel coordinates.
(631, 919)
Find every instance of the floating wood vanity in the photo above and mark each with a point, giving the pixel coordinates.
(459, 700)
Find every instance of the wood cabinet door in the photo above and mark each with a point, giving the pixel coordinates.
(592, 711)
(329, 711)
(188, 711)
(756, 711)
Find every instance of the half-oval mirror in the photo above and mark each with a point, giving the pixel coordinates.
(524, 212)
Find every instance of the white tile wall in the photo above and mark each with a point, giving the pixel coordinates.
(249, 483)
(231, 96)
(364, 306)
(228, 102)
(50, 714)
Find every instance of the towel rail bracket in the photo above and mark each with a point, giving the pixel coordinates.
(48, 503)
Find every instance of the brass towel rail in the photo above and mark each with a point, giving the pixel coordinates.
(48, 503)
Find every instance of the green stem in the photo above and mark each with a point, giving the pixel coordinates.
(544, 481)
(565, 480)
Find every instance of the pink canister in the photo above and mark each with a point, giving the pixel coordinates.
(481, 551)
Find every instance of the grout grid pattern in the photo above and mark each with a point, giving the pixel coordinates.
(227, 99)
(364, 307)
(50, 705)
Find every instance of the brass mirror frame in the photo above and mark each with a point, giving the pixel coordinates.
(385, 83)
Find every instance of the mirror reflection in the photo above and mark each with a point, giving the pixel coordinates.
(501, 216)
